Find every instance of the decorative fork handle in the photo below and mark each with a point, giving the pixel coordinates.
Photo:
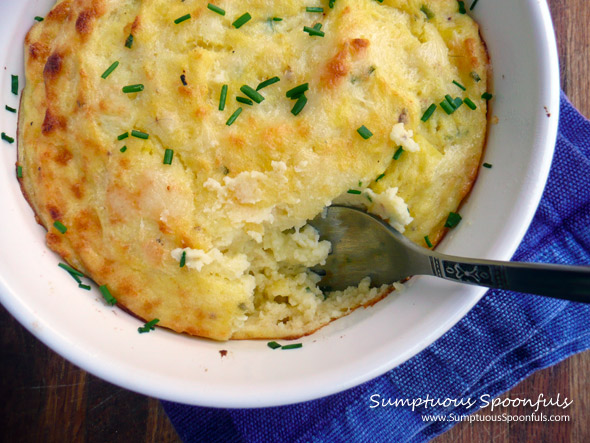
(558, 281)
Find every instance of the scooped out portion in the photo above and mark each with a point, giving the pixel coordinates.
(186, 179)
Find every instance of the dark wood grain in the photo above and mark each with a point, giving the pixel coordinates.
(45, 398)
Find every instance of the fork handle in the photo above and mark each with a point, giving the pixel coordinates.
(557, 281)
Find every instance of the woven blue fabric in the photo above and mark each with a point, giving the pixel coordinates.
(502, 340)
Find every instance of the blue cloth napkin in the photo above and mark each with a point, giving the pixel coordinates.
(502, 340)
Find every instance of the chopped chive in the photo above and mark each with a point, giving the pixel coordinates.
(19, 171)
(110, 69)
(331, 4)
(149, 326)
(354, 191)
(71, 270)
(380, 177)
(429, 14)
(107, 295)
(462, 7)
(469, 103)
(487, 165)
(380, 1)
(447, 107)
(215, 9)
(273, 345)
(60, 226)
(313, 9)
(182, 19)
(74, 276)
(364, 132)
(250, 92)
(457, 102)
(7, 138)
(183, 80)
(168, 154)
(475, 76)
(139, 134)
(233, 117)
(313, 31)
(123, 149)
(428, 112)
(132, 88)
(452, 220)
(459, 85)
(360, 183)
(299, 104)
(486, 96)
(14, 84)
(450, 101)
(473, 4)
(293, 346)
(244, 100)
(268, 82)
(129, 41)
(183, 259)
(223, 97)
(297, 91)
(277, 19)
(83, 286)
(39, 19)
(428, 243)
(317, 26)
(242, 20)
(398, 153)
(123, 136)
(369, 198)
(8, 108)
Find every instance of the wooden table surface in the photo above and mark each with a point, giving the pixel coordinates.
(45, 398)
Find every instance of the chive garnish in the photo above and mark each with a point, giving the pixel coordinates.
(242, 20)
(183, 80)
(107, 295)
(14, 84)
(398, 153)
(487, 165)
(380, 1)
(139, 134)
(297, 91)
(429, 14)
(299, 104)
(110, 69)
(123, 149)
(452, 220)
(369, 198)
(475, 76)
(293, 346)
(450, 101)
(183, 259)
(313, 9)
(123, 136)
(313, 31)
(168, 154)
(469, 103)
(273, 345)
(182, 19)
(317, 26)
(331, 4)
(233, 117)
(459, 85)
(83, 286)
(268, 82)
(39, 19)
(244, 100)
(215, 9)
(364, 132)
(129, 41)
(7, 138)
(71, 270)
(8, 108)
(222, 97)
(462, 7)
(447, 107)
(149, 326)
(428, 112)
(74, 276)
(277, 19)
(132, 88)
(428, 243)
(19, 171)
(60, 226)
(250, 92)
(354, 191)
(380, 177)
(473, 4)
(486, 96)
(457, 102)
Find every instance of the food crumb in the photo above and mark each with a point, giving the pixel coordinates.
(223, 353)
